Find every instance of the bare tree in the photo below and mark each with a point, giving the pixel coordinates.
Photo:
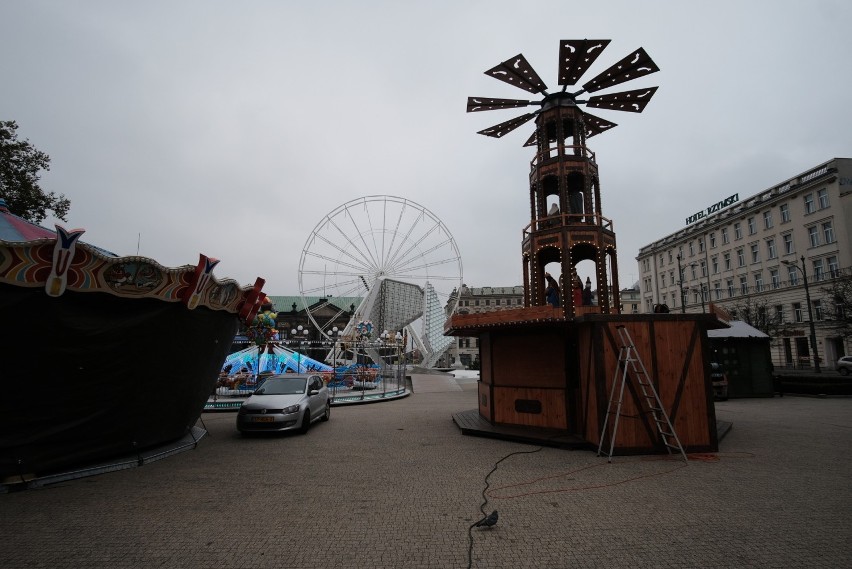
(755, 312)
(837, 297)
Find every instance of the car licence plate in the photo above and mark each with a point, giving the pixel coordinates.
(263, 419)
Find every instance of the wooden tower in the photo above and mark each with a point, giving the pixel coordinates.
(566, 220)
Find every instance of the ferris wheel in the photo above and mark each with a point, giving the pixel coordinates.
(388, 258)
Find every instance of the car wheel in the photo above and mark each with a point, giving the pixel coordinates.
(327, 415)
(306, 422)
(844, 371)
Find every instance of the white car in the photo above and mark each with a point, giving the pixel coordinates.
(844, 365)
(285, 402)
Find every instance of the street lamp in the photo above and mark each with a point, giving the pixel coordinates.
(701, 286)
(334, 334)
(810, 311)
(302, 334)
(680, 284)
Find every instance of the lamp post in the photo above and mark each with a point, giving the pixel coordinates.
(300, 335)
(810, 311)
(334, 334)
(680, 285)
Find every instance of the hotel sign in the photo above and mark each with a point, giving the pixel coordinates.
(713, 208)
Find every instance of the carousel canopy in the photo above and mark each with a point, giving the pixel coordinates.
(14, 228)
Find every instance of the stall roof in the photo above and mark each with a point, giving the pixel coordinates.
(738, 329)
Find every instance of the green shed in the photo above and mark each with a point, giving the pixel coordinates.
(744, 354)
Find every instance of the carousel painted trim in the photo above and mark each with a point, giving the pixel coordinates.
(64, 263)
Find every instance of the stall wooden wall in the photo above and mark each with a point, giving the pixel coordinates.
(522, 367)
(674, 352)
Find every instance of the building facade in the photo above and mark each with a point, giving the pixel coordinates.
(774, 259)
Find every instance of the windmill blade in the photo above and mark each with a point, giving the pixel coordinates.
(575, 58)
(637, 64)
(595, 125)
(532, 140)
(519, 73)
(498, 130)
(475, 104)
(630, 101)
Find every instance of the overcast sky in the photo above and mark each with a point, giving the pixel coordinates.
(233, 128)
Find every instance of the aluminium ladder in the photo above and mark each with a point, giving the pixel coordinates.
(630, 363)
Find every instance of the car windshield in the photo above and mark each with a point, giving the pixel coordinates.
(282, 386)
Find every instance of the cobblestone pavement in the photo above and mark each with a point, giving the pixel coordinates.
(395, 485)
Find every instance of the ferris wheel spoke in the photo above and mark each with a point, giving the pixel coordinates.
(359, 268)
(352, 284)
(395, 231)
(379, 256)
(368, 259)
(335, 261)
(407, 254)
(360, 234)
(426, 253)
(366, 264)
(436, 263)
(395, 255)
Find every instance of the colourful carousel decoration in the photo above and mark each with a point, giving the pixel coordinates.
(110, 355)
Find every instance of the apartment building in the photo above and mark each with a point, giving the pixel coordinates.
(754, 255)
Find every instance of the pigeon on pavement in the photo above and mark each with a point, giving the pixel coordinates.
(487, 521)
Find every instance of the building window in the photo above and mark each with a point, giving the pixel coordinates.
(741, 257)
(663, 279)
(785, 212)
(833, 267)
(725, 238)
(712, 240)
(779, 313)
(691, 249)
(727, 258)
(476, 303)
(743, 285)
(813, 236)
(819, 271)
(817, 305)
(661, 259)
(767, 219)
(828, 232)
(701, 245)
(774, 278)
(788, 244)
(670, 257)
(497, 302)
(487, 302)
(715, 261)
(793, 275)
(730, 284)
(694, 276)
(822, 196)
(758, 281)
(797, 311)
(738, 231)
(703, 268)
(717, 289)
(755, 253)
(809, 203)
(752, 226)
(770, 247)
